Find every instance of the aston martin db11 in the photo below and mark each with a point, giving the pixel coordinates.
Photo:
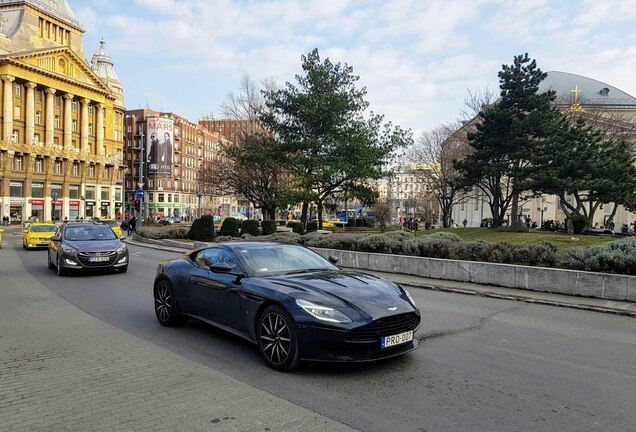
(294, 304)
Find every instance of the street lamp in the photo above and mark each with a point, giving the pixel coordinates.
(54, 194)
(83, 198)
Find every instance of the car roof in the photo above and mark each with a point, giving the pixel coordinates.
(41, 223)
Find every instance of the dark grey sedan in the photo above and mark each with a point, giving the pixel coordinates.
(87, 246)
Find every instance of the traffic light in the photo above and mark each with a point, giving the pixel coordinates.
(137, 207)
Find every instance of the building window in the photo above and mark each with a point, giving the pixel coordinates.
(39, 165)
(90, 110)
(38, 117)
(106, 173)
(56, 141)
(36, 139)
(160, 197)
(105, 194)
(74, 123)
(74, 105)
(57, 122)
(16, 112)
(58, 101)
(37, 190)
(90, 129)
(90, 192)
(73, 191)
(91, 171)
(16, 136)
(76, 169)
(58, 167)
(18, 163)
(17, 90)
(15, 189)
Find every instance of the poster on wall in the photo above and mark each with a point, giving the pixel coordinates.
(159, 146)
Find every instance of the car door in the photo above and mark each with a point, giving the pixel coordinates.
(215, 296)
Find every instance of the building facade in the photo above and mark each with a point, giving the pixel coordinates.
(164, 154)
(61, 143)
(573, 93)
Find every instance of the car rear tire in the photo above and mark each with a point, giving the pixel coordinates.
(277, 339)
(59, 267)
(166, 308)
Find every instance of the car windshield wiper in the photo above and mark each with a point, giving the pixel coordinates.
(307, 270)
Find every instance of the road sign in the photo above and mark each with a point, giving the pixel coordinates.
(140, 192)
(140, 185)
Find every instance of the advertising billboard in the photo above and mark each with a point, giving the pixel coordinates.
(159, 151)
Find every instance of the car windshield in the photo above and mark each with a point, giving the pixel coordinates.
(112, 223)
(43, 228)
(280, 259)
(85, 233)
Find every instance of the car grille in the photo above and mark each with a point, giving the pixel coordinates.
(384, 327)
(86, 258)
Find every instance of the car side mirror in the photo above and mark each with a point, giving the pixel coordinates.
(333, 259)
(222, 267)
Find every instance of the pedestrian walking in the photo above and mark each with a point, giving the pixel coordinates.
(132, 224)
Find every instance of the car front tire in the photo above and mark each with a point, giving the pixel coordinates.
(277, 339)
(166, 308)
(60, 267)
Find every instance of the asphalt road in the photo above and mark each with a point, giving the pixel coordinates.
(484, 364)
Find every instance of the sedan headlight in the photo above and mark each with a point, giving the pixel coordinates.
(121, 249)
(68, 249)
(323, 313)
(408, 295)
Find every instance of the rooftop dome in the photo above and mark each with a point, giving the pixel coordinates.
(570, 88)
(57, 8)
(103, 65)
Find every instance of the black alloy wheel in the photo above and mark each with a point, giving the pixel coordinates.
(277, 339)
(166, 308)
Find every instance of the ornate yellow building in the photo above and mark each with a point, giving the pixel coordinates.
(62, 119)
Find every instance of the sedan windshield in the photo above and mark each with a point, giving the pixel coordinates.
(100, 232)
(278, 259)
(43, 228)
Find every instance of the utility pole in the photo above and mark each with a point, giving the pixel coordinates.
(142, 158)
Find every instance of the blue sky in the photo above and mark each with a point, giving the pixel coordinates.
(418, 59)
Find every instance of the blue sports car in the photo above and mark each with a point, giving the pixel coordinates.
(294, 304)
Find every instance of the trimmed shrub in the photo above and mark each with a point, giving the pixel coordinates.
(503, 253)
(343, 242)
(250, 227)
(202, 229)
(443, 235)
(542, 253)
(160, 232)
(230, 227)
(297, 226)
(268, 227)
(379, 243)
(312, 226)
(616, 257)
(284, 237)
(399, 235)
(478, 250)
(440, 246)
(579, 222)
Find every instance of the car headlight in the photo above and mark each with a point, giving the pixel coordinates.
(68, 249)
(408, 295)
(121, 249)
(323, 313)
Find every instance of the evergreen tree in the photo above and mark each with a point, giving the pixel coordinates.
(507, 133)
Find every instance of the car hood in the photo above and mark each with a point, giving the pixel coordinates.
(366, 294)
(95, 246)
(40, 234)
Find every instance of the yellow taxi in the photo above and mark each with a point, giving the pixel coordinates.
(1, 231)
(114, 225)
(38, 234)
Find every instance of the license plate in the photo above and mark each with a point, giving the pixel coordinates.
(98, 259)
(389, 341)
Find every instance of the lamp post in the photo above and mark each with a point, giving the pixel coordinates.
(83, 198)
(199, 195)
(54, 194)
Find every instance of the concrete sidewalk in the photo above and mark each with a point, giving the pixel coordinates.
(560, 300)
(63, 370)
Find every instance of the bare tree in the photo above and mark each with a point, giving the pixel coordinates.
(432, 165)
(382, 211)
(249, 166)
